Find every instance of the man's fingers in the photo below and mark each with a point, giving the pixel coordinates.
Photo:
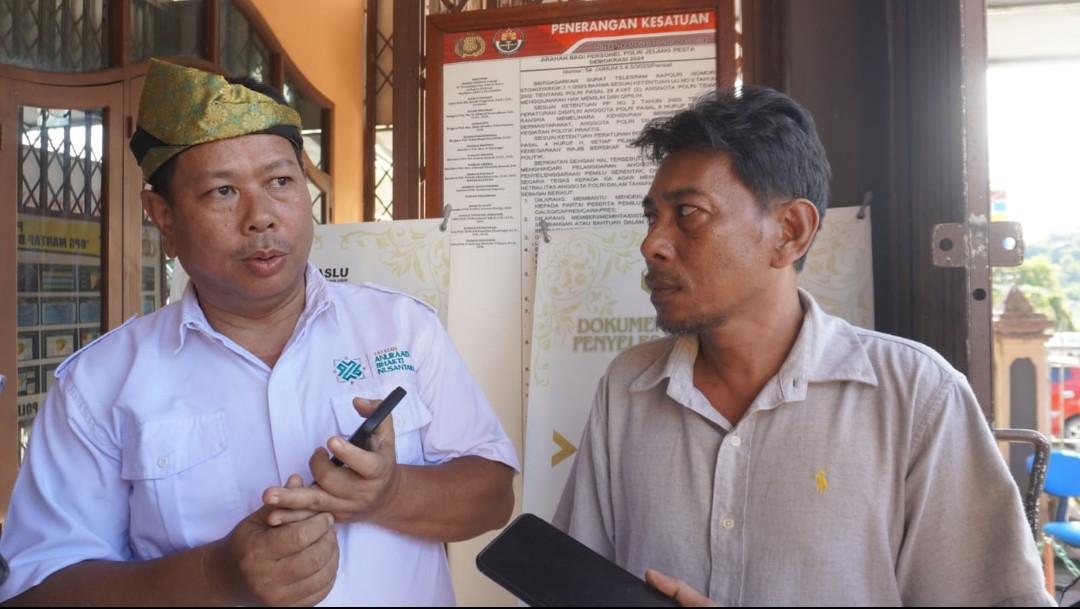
(293, 502)
(365, 406)
(299, 561)
(663, 583)
(322, 558)
(384, 434)
(278, 517)
(678, 590)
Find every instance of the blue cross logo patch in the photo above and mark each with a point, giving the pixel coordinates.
(349, 370)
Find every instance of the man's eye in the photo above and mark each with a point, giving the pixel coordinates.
(686, 210)
(223, 190)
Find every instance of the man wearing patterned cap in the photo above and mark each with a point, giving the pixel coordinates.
(179, 460)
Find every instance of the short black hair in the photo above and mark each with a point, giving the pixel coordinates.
(159, 181)
(773, 142)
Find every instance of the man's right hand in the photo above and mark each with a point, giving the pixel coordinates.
(290, 563)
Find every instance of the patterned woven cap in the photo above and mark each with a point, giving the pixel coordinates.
(181, 107)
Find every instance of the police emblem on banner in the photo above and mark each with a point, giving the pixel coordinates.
(470, 45)
(508, 41)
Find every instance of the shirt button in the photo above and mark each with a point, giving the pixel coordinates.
(736, 440)
(163, 462)
(729, 523)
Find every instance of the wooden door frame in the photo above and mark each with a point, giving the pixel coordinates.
(115, 242)
(921, 94)
(9, 425)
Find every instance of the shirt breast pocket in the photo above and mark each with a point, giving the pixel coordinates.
(184, 484)
(411, 420)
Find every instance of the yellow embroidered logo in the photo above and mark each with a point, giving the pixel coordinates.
(822, 481)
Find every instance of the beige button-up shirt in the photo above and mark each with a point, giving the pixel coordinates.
(864, 473)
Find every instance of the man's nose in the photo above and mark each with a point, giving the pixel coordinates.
(261, 212)
(657, 242)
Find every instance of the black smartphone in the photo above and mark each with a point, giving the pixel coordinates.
(544, 567)
(362, 436)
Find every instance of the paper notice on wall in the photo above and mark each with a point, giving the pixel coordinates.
(411, 256)
(537, 128)
(839, 271)
(591, 303)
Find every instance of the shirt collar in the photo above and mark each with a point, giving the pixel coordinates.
(316, 300)
(827, 349)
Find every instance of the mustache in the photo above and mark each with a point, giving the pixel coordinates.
(656, 277)
(264, 243)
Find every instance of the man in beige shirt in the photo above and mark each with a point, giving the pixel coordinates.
(768, 453)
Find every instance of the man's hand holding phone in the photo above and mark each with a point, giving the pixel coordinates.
(361, 438)
(356, 491)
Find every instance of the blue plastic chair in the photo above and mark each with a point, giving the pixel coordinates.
(1063, 482)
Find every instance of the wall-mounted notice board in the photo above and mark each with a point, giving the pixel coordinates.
(529, 113)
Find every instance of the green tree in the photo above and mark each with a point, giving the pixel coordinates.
(1037, 278)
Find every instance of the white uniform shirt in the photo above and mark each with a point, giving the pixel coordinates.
(162, 435)
(863, 474)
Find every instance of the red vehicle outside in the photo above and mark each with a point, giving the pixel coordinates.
(1065, 402)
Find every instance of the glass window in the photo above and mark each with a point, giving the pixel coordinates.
(311, 117)
(173, 27)
(54, 35)
(154, 270)
(59, 247)
(242, 52)
(318, 202)
(384, 174)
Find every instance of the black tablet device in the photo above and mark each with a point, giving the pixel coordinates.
(544, 567)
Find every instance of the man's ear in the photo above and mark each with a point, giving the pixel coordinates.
(798, 220)
(161, 214)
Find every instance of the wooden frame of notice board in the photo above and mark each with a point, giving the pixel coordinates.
(480, 37)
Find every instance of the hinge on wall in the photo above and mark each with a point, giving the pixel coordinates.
(1004, 244)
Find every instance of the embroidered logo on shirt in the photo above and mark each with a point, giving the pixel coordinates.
(822, 481)
(392, 359)
(348, 370)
